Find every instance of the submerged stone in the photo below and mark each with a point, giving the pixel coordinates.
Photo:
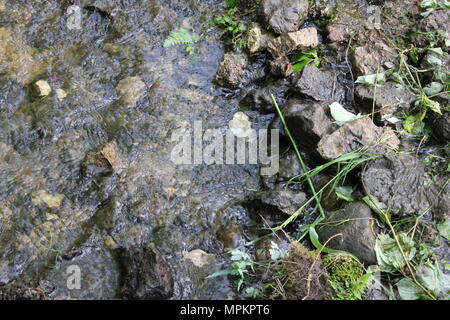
(131, 90)
(231, 70)
(145, 273)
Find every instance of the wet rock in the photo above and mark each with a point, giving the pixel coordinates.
(131, 90)
(375, 290)
(19, 292)
(438, 66)
(284, 15)
(260, 98)
(99, 272)
(356, 236)
(103, 161)
(262, 250)
(440, 123)
(42, 88)
(336, 34)
(285, 201)
(370, 59)
(51, 201)
(231, 70)
(307, 121)
(329, 200)
(399, 181)
(22, 62)
(433, 23)
(317, 84)
(231, 235)
(290, 42)
(354, 135)
(306, 276)
(289, 166)
(280, 67)
(200, 265)
(442, 211)
(257, 39)
(145, 273)
(389, 99)
(199, 258)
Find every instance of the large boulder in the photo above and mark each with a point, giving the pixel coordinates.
(401, 184)
(284, 15)
(317, 84)
(353, 136)
(308, 121)
(389, 99)
(289, 42)
(356, 235)
(373, 58)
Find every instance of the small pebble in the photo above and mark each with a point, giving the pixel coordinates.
(42, 88)
(61, 94)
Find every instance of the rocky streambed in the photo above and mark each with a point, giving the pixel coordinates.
(94, 207)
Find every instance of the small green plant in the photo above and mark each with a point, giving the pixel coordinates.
(241, 266)
(410, 262)
(185, 37)
(408, 75)
(232, 27)
(346, 277)
(431, 5)
(302, 59)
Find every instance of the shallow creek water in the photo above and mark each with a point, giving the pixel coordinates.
(44, 141)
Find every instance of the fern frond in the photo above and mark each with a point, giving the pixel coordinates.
(182, 36)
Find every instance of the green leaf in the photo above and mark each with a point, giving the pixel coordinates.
(302, 59)
(433, 88)
(181, 36)
(222, 273)
(377, 206)
(438, 51)
(389, 255)
(345, 193)
(434, 61)
(314, 237)
(341, 115)
(431, 277)
(444, 229)
(376, 79)
(300, 66)
(408, 290)
(413, 125)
